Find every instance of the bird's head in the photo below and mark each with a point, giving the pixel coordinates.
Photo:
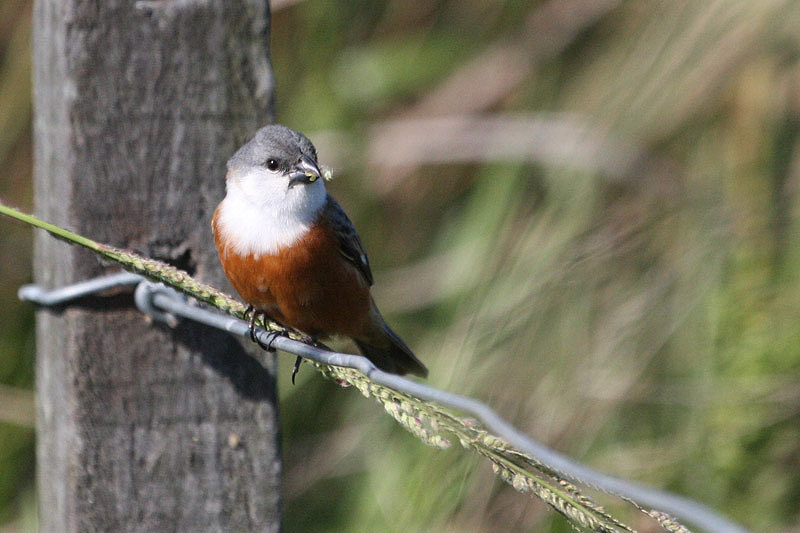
(277, 169)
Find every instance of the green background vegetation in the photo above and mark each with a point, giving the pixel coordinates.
(608, 255)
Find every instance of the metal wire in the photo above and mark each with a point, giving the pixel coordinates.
(165, 304)
(68, 293)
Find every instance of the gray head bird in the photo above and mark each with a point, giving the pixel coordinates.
(292, 254)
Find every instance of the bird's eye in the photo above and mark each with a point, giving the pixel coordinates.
(272, 164)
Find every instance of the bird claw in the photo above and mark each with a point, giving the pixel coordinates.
(273, 334)
(296, 367)
(297, 362)
(252, 321)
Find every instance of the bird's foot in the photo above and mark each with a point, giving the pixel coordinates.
(296, 368)
(306, 339)
(297, 362)
(251, 322)
(273, 334)
(255, 314)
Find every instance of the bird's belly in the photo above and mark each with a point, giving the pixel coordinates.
(308, 286)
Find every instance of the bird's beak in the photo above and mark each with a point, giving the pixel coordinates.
(305, 171)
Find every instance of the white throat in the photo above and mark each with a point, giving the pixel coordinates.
(261, 214)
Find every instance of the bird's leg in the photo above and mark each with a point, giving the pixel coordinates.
(297, 362)
(254, 315)
(273, 334)
(296, 367)
(252, 321)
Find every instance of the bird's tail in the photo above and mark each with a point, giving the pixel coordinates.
(388, 351)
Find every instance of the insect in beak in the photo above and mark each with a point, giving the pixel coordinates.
(304, 171)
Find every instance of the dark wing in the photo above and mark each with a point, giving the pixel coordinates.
(349, 244)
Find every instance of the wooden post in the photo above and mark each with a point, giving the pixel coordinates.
(138, 104)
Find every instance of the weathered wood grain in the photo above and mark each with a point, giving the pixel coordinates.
(137, 107)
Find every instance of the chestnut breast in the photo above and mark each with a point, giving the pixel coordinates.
(308, 285)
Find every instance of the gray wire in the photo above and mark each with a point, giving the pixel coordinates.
(163, 303)
(67, 293)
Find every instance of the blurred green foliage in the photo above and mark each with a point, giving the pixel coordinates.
(634, 305)
(16, 318)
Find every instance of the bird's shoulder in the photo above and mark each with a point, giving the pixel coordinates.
(350, 246)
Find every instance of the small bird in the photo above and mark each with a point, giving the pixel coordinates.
(292, 254)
